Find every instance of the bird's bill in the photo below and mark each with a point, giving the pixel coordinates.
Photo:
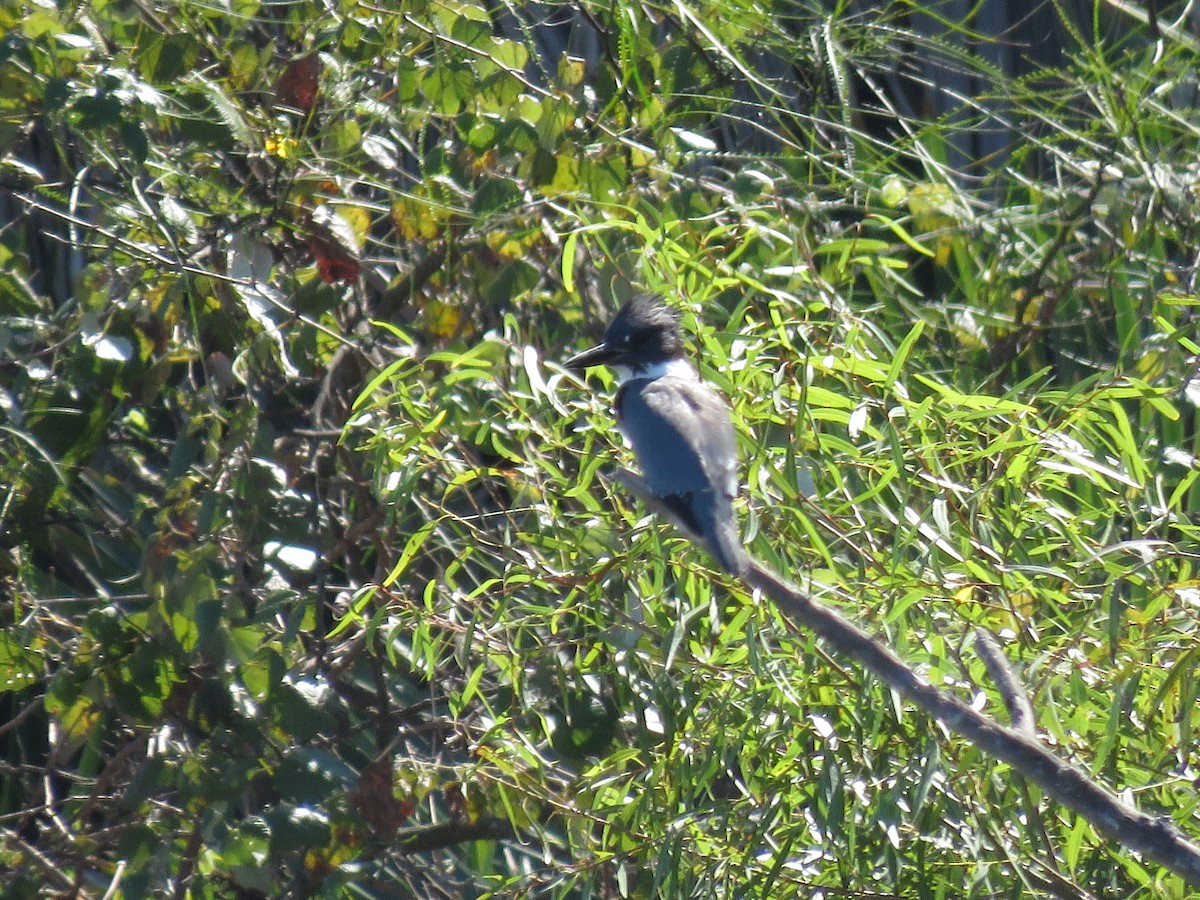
(599, 355)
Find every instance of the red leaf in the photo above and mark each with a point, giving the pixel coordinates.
(374, 799)
(334, 263)
(300, 82)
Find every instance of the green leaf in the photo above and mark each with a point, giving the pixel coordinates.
(228, 112)
(20, 666)
(308, 775)
(300, 709)
(411, 548)
(298, 828)
(168, 57)
(447, 86)
(97, 110)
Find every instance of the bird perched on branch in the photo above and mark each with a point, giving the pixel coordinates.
(678, 426)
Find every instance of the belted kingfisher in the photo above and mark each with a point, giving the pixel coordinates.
(678, 426)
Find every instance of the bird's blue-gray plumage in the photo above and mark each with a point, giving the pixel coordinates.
(679, 427)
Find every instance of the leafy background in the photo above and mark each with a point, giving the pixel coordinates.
(312, 581)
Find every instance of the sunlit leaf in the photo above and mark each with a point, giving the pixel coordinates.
(19, 665)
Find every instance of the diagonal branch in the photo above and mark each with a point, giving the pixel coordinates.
(1156, 838)
(426, 838)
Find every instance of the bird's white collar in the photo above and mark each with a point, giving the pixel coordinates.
(678, 368)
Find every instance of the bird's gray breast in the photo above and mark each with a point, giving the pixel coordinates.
(682, 435)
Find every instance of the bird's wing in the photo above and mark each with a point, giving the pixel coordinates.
(683, 438)
(682, 435)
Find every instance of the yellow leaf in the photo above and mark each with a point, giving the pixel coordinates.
(415, 219)
(441, 319)
(358, 218)
(571, 70)
(941, 250)
(893, 192)
(281, 146)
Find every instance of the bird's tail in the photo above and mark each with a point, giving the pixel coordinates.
(726, 545)
(713, 522)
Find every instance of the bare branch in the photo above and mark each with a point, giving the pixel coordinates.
(48, 865)
(424, 838)
(1158, 839)
(1012, 692)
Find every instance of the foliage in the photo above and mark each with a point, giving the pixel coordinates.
(312, 580)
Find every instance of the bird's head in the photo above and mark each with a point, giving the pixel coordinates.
(643, 333)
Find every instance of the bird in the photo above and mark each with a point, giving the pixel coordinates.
(679, 427)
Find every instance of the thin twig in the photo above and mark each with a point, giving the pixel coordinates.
(115, 884)
(49, 866)
(1012, 692)
(1156, 838)
(37, 703)
(187, 864)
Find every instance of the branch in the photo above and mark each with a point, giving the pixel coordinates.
(1158, 839)
(1012, 692)
(424, 838)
